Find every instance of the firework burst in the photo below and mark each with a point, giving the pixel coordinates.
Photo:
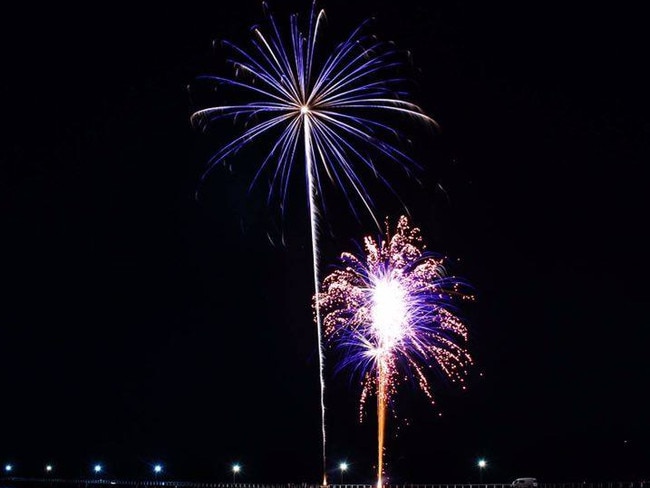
(393, 313)
(326, 111)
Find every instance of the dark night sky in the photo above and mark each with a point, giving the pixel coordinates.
(139, 323)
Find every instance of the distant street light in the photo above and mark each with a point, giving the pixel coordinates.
(236, 468)
(343, 467)
(482, 463)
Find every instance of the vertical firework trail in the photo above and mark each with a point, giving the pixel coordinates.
(337, 104)
(393, 315)
(381, 419)
(313, 212)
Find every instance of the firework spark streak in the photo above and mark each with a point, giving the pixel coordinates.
(334, 106)
(393, 314)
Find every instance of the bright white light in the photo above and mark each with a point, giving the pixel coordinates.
(236, 468)
(157, 468)
(482, 463)
(98, 468)
(343, 466)
(304, 110)
(389, 312)
(48, 468)
(8, 467)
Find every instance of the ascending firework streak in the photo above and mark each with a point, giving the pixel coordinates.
(329, 104)
(392, 313)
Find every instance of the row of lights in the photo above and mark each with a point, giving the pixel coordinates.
(236, 468)
(9, 468)
(97, 468)
(157, 469)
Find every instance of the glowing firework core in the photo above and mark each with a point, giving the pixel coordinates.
(389, 314)
(304, 110)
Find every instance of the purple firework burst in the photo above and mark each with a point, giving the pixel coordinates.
(393, 312)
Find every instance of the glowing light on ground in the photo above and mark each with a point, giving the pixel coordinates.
(392, 312)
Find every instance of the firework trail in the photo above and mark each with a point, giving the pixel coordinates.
(393, 314)
(329, 108)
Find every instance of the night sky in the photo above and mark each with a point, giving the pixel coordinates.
(148, 317)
